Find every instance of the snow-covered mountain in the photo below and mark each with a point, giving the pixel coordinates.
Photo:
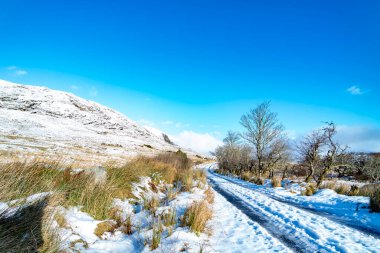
(41, 120)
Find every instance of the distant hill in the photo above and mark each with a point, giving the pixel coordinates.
(39, 120)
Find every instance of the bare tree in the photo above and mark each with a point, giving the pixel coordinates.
(320, 152)
(309, 151)
(263, 133)
(232, 138)
(372, 169)
(334, 151)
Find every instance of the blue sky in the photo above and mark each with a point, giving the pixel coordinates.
(192, 68)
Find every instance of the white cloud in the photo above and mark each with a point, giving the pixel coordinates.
(359, 138)
(16, 71)
(21, 72)
(355, 90)
(93, 92)
(200, 142)
(74, 87)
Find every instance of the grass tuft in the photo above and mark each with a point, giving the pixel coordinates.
(157, 235)
(276, 182)
(105, 226)
(196, 216)
(309, 191)
(374, 202)
(209, 195)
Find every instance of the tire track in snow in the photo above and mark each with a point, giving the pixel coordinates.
(299, 230)
(334, 218)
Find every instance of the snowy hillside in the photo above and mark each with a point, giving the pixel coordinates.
(38, 119)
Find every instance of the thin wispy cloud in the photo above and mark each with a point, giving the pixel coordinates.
(74, 87)
(21, 72)
(17, 71)
(355, 90)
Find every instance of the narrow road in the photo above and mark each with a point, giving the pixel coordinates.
(298, 229)
(332, 217)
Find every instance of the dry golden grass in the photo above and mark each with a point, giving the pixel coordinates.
(126, 226)
(276, 182)
(151, 204)
(328, 185)
(309, 190)
(157, 235)
(247, 176)
(105, 226)
(342, 189)
(21, 179)
(375, 201)
(28, 228)
(200, 175)
(196, 216)
(170, 218)
(61, 220)
(258, 180)
(170, 193)
(209, 195)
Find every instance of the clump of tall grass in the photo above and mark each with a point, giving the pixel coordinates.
(170, 193)
(156, 235)
(309, 190)
(28, 227)
(105, 226)
(342, 189)
(150, 203)
(276, 182)
(257, 180)
(170, 217)
(200, 175)
(247, 176)
(196, 216)
(126, 226)
(209, 195)
(328, 185)
(374, 202)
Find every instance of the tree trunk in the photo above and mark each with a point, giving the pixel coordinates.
(322, 176)
(284, 173)
(311, 174)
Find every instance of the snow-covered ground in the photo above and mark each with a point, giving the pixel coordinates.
(79, 234)
(352, 210)
(302, 230)
(233, 231)
(229, 230)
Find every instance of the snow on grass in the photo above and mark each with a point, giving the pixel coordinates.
(79, 234)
